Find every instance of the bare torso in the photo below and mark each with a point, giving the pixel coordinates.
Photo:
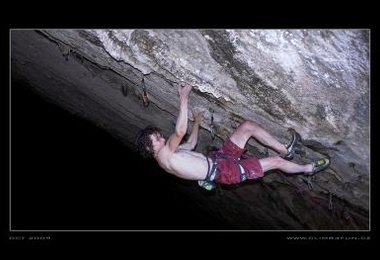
(183, 163)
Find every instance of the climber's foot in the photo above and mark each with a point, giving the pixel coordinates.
(291, 146)
(319, 165)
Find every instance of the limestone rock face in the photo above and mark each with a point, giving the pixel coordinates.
(315, 81)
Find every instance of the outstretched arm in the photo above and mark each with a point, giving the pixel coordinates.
(181, 125)
(193, 138)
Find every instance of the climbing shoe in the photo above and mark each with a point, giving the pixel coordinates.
(291, 146)
(319, 165)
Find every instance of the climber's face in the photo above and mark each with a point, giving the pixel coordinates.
(157, 141)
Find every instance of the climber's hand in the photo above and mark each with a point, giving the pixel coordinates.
(184, 90)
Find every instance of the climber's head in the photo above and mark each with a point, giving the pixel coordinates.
(150, 141)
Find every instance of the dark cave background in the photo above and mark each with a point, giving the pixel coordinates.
(68, 174)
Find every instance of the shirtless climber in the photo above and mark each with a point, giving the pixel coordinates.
(224, 166)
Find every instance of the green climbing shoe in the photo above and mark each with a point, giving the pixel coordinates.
(292, 144)
(319, 165)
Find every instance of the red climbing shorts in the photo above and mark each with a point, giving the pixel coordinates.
(228, 159)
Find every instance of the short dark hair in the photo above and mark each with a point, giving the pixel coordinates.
(144, 143)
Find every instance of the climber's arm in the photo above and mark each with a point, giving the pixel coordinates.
(193, 138)
(181, 126)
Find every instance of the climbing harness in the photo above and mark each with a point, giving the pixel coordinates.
(208, 182)
(243, 174)
(220, 155)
